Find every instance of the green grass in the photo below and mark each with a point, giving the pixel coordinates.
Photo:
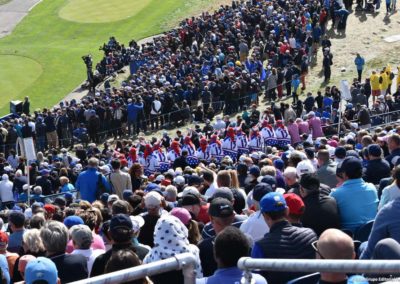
(57, 44)
(17, 73)
(83, 12)
(2, 2)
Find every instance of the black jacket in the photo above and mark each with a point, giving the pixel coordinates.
(70, 267)
(287, 241)
(321, 213)
(100, 262)
(376, 170)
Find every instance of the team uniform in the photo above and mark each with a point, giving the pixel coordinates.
(282, 136)
(151, 165)
(229, 147)
(269, 136)
(191, 159)
(255, 143)
(242, 143)
(163, 163)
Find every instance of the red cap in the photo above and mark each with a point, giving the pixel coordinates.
(166, 182)
(3, 239)
(50, 208)
(295, 203)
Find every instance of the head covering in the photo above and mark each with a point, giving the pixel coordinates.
(214, 139)
(170, 238)
(41, 268)
(148, 151)
(273, 202)
(73, 220)
(279, 123)
(188, 141)
(152, 199)
(230, 133)
(133, 154)
(295, 203)
(203, 144)
(260, 190)
(137, 223)
(182, 214)
(176, 147)
(220, 207)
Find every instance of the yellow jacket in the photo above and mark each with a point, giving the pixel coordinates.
(385, 81)
(398, 76)
(374, 80)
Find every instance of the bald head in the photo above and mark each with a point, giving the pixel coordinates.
(334, 244)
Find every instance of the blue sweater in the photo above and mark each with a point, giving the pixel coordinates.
(357, 203)
(386, 225)
(86, 184)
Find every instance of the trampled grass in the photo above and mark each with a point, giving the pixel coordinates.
(57, 44)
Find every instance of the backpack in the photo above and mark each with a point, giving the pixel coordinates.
(101, 188)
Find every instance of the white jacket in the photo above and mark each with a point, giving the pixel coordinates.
(6, 186)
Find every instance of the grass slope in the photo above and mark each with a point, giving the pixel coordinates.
(2, 2)
(57, 45)
(83, 12)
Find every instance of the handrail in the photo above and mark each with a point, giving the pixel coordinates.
(184, 262)
(318, 265)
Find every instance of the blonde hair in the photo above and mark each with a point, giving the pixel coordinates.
(33, 241)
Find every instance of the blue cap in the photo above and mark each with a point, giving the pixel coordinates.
(126, 194)
(273, 202)
(68, 195)
(255, 171)
(269, 180)
(279, 164)
(73, 220)
(104, 197)
(340, 152)
(152, 187)
(39, 269)
(260, 190)
(44, 172)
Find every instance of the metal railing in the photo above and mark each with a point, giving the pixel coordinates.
(318, 265)
(184, 262)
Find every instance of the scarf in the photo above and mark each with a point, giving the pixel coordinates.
(189, 142)
(203, 144)
(147, 151)
(231, 133)
(133, 154)
(214, 139)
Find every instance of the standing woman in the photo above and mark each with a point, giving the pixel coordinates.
(272, 81)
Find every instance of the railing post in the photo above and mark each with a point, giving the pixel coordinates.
(187, 263)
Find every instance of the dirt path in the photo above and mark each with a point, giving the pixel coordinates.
(365, 35)
(12, 13)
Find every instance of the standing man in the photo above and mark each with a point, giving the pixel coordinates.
(359, 62)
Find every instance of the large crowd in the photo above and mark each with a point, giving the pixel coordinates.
(313, 179)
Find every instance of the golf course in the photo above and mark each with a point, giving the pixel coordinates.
(41, 58)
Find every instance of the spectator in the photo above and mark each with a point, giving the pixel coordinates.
(6, 193)
(166, 245)
(354, 212)
(321, 211)
(89, 181)
(255, 225)
(326, 172)
(392, 191)
(71, 267)
(230, 245)
(393, 142)
(221, 215)
(296, 208)
(377, 168)
(16, 222)
(284, 240)
(11, 257)
(119, 180)
(123, 259)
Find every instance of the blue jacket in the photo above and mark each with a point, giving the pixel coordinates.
(386, 225)
(359, 62)
(133, 111)
(86, 184)
(357, 203)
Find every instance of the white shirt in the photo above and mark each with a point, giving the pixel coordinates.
(210, 191)
(255, 226)
(90, 255)
(6, 193)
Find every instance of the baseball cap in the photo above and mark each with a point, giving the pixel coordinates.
(104, 197)
(126, 193)
(160, 178)
(60, 201)
(309, 182)
(72, 221)
(273, 202)
(304, 167)
(295, 203)
(189, 190)
(120, 221)
(23, 261)
(223, 192)
(50, 208)
(81, 235)
(179, 180)
(340, 152)
(41, 268)
(152, 187)
(190, 199)
(3, 240)
(269, 180)
(137, 223)
(194, 179)
(374, 150)
(260, 190)
(112, 198)
(255, 171)
(220, 207)
(152, 199)
(182, 214)
(279, 164)
(349, 164)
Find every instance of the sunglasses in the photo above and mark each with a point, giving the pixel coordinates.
(315, 247)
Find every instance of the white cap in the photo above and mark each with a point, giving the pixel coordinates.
(180, 180)
(160, 178)
(137, 223)
(152, 199)
(304, 167)
(189, 190)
